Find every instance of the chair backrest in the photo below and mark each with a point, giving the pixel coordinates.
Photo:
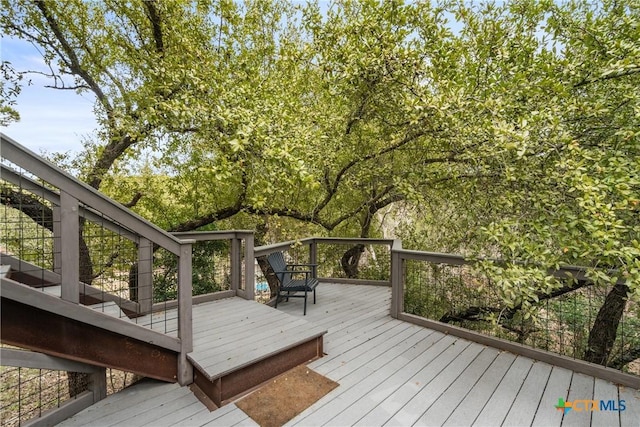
(277, 262)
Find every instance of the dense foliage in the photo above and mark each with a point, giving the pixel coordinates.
(503, 130)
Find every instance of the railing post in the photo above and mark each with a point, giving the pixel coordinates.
(57, 232)
(313, 256)
(249, 268)
(397, 285)
(185, 312)
(236, 265)
(145, 275)
(98, 384)
(70, 247)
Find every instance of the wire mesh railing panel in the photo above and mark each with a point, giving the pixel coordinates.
(354, 261)
(25, 393)
(117, 268)
(27, 226)
(569, 320)
(211, 264)
(109, 265)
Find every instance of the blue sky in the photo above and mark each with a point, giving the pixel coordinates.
(50, 120)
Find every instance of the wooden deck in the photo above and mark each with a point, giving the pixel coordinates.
(394, 373)
(232, 333)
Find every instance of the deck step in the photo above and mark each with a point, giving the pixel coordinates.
(241, 344)
(107, 307)
(5, 271)
(110, 308)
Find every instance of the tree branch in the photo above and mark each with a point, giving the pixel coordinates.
(134, 201)
(624, 73)
(625, 358)
(154, 19)
(40, 213)
(477, 313)
(73, 60)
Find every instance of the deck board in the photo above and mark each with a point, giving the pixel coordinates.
(496, 409)
(389, 372)
(525, 406)
(233, 333)
(424, 398)
(631, 415)
(445, 403)
(605, 390)
(581, 388)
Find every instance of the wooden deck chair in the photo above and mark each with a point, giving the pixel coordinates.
(293, 278)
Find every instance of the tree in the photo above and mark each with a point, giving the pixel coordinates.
(519, 118)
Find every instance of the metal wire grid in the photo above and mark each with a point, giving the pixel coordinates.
(462, 295)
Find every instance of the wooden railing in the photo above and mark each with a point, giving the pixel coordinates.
(449, 293)
(428, 289)
(67, 207)
(327, 252)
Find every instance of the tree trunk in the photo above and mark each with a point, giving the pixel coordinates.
(261, 231)
(351, 259)
(604, 330)
(268, 274)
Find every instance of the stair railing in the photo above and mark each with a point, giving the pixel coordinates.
(74, 202)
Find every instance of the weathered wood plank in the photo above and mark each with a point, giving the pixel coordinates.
(364, 354)
(557, 387)
(606, 391)
(630, 416)
(498, 405)
(367, 394)
(358, 336)
(472, 404)
(527, 402)
(424, 398)
(233, 418)
(437, 357)
(188, 409)
(366, 377)
(581, 388)
(202, 417)
(130, 396)
(153, 417)
(446, 402)
(372, 342)
(148, 410)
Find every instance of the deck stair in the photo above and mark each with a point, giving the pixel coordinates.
(239, 344)
(225, 344)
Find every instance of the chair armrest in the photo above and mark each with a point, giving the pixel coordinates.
(302, 265)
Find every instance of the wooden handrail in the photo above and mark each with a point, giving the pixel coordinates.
(85, 194)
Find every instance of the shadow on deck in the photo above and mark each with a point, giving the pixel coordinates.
(390, 373)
